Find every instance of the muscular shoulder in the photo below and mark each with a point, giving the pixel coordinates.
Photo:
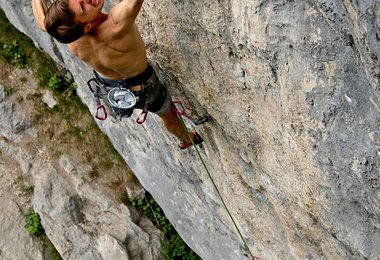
(73, 47)
(124, 13)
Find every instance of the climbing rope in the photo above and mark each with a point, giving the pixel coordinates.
(179, 115)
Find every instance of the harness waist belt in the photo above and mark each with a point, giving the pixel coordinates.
(130, 82)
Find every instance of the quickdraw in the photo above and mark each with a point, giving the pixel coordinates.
(101, 112)
(181, 111)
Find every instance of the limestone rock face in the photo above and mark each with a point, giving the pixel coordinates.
(294, 142)
(90, 225)
(15, 242)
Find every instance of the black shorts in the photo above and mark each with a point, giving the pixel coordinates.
(155, 95)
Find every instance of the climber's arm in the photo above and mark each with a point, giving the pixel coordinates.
(124, 13)
(39, 8)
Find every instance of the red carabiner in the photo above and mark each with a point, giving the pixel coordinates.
(103, 112)
(181, 111)
(142, 117)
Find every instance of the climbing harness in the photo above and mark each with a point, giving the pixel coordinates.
(116, 93)
(122, 100)
(180, 113)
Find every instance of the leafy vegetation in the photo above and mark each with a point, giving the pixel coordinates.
(34, 227)
(8, 91)
(33, 223)
(12, 52)
(174, 247)
(27, 190)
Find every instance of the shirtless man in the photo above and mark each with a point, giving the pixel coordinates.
(112, 45)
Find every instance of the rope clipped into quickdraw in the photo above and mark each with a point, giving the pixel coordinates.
(182, 112)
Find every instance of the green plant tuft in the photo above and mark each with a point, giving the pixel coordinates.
(8, 91)
(123, 198)
(14, 53)
(55, 82)
(27, 190)
(33, 223)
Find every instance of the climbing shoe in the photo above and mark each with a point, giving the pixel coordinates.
(186, 144)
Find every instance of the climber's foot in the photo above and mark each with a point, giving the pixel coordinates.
(197, 139)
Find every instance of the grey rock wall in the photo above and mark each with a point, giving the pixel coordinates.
(294, 143)
(15, 242)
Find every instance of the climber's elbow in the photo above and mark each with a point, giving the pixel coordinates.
(42, 27)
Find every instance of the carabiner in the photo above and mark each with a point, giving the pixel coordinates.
(181, 111)
(103, 112)
(142, 117)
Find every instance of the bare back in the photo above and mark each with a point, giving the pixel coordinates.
(114, 48)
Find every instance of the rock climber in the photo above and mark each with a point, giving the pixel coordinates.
(112, 45)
